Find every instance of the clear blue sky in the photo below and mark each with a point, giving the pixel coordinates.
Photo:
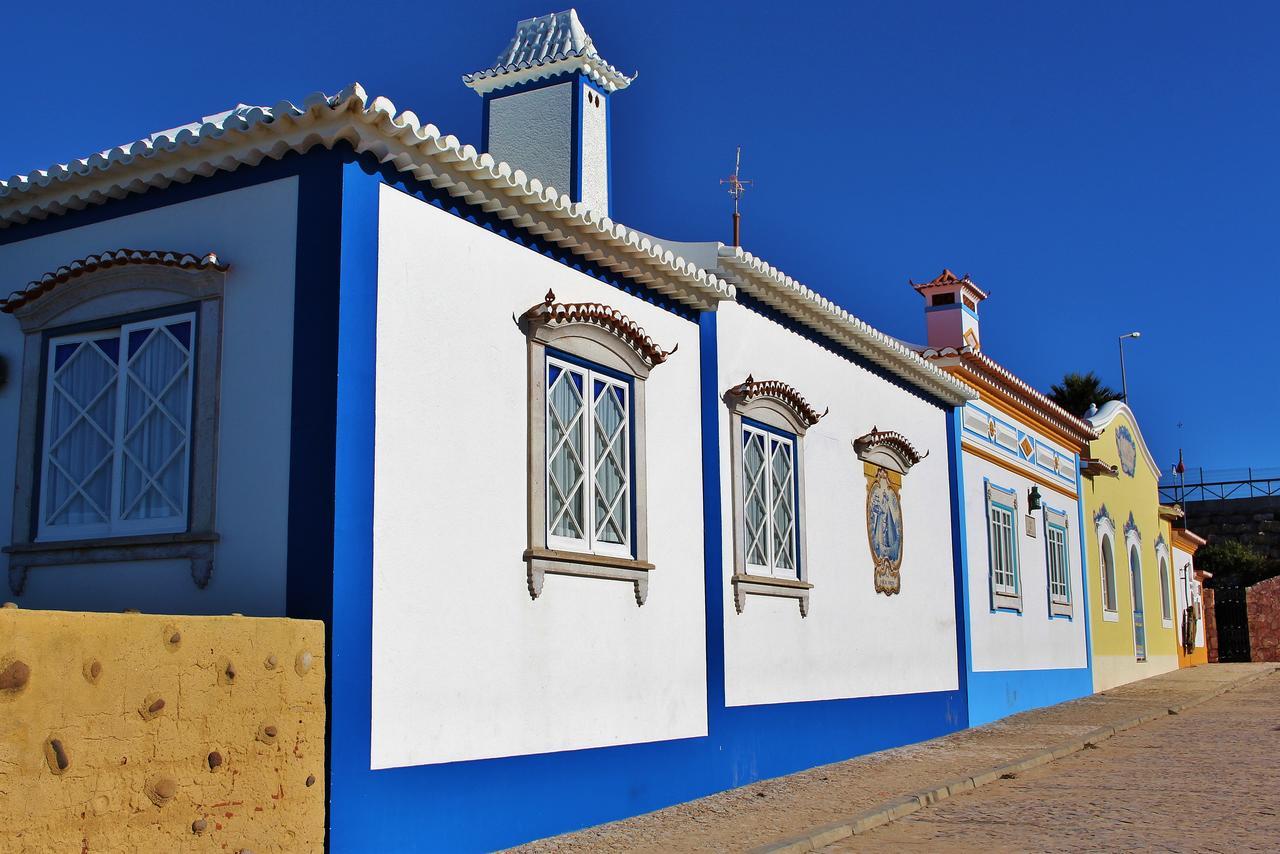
(1097, 167)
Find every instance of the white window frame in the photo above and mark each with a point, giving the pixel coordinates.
(590, 542)
(1003, 555)
(582, 337)
(1109, 582)
(785, 416)
(1166, 591)
(117, 524)
(772, 440)
(134, 286)
(1057, 532)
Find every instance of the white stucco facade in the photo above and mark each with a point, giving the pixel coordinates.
(1004, 639)
(253, 230)
(854, 642)
(534, 131)
(1187, 591)
(466, 665)
(595, 149)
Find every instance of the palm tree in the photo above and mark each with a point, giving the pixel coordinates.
(1077, 392)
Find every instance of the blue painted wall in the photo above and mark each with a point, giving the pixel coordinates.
(486, 804)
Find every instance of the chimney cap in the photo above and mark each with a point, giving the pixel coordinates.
(947, 280)
(543, 47)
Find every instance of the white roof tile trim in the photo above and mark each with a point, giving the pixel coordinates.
(371, 126)
(544, 46)
(814, 311)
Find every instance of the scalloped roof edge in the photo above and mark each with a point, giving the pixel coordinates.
(247, 136)
(370, 126)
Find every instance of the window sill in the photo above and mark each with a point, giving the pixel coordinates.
(767, 585)
(1168, 624)
(1006, 602)
(1110, 616)
(1060, 609)
(196, 546)
(543, 562)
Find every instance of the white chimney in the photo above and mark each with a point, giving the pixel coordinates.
(546, 107)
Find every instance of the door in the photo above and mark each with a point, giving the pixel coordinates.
(1231, 618)
(1139, 627)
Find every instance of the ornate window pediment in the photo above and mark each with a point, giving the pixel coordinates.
(550, 321)
(887, 449)
(778, 397)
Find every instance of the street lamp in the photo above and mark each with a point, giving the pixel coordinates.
(1124, 385)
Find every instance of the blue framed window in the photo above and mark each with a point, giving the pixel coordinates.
(590, 457)
(1002, 548)
(1057, 562)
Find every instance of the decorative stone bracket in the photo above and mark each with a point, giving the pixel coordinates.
(766, 585)
(543, 562)
(195, 547)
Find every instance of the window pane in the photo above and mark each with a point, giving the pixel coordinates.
(610, 463)
(157, 423)
(566, 440)
(783, 510)
(80, 438)
(754, 489)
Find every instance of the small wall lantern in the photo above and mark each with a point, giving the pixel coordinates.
(1033, 498)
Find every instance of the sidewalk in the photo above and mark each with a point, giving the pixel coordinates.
(820, 806)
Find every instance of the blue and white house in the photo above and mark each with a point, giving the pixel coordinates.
(1022, 561)
(598, 523)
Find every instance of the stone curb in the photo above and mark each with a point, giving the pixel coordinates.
(897, 808)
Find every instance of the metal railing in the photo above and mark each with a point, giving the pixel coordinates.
(1198, 484)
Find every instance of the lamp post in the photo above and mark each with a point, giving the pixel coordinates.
(1124, 384)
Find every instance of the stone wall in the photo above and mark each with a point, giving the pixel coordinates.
(132, 732)
(1210, 624)
(1252, 521)
(1264, 620)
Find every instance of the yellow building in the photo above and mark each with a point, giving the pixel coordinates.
(1131, 603)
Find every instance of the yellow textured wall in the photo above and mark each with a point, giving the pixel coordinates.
(1111, 635)
(137, 732)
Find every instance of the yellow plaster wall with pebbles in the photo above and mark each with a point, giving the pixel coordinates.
(136, 732)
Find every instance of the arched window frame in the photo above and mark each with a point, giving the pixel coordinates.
(1109, 581)
(108, 291)
(778, 412)
(591, 338)
(1163, 559)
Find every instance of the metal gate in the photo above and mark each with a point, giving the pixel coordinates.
(1232, 617)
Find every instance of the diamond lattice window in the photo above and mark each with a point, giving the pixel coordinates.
(588, 459)
(117, 431)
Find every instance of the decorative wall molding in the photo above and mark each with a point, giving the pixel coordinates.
(549, 320)
(791, 403)
(543, 562)
(767, 585)
(105, 261)
(887, 449)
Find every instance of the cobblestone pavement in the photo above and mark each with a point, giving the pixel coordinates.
(767, 811)
(1205, 780)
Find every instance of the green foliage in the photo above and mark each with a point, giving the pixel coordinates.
(1077, 391)
(1234, 563)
